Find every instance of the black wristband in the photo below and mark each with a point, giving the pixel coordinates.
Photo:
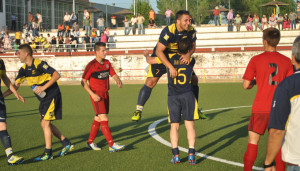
(270, 165)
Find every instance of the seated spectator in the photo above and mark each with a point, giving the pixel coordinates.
(286, 22)
(272, 21)
(75, 26)
(249, 25)
(256, 21)
(151, 23)
(103, 38)
(94, 35)
(264, 21)
(49, 38)
(7, 41)
(25, 30)
(36, 41)
(61, 30)
(68, 30)
(2, 33)
(238, 22)
(280, 22)
(67, 43)
(18, 37)
(87, 42)
(76, 35)
(29, 39)
(61, 44)
(53, 44)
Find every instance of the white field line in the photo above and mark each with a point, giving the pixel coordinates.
(155, 135)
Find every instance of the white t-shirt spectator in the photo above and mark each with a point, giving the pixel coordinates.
(86, 15)
(49, 39)
(100, 22)
(67, 17)
(40, 18)
(133, 21)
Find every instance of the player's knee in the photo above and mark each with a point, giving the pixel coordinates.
(151, 82)
(102, 117)
(175, 126)
(2, 126)
(45, 124)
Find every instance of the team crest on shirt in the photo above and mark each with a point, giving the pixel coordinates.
(107, 66)
(166, 37)
(45, 66)
(33, 72)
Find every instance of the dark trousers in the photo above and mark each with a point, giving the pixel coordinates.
(13, 24)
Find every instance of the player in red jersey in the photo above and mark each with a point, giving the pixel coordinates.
(95, 80)
(266, 70)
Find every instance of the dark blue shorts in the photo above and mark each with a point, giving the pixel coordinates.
(2, 110)
(185, 104)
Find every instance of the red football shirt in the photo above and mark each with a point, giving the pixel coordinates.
(98, 75)
(269, 69)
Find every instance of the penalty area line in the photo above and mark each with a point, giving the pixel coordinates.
(155, 135)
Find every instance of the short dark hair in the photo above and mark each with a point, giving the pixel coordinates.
(26, 48)
(98, 45)
(272, 36)
(180, 13)
(184, 46)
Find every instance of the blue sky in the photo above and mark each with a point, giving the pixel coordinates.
(124, 3)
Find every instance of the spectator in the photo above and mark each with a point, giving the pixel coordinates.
(48, 38)
(103, 38)
(43, 41)
(75, 26)
(280, 22)
(249, 21)
(87, 41)
(151, 23)
(230, 20)
(40, 20)
(106, 32)
(238, 22)
(73, 18)
(100, 23)
(140, 20)
(35, 29)
(126, 26)
(151, 14)
(29, 39)
(256, 21)
(284, 119)
(13, 22)
(18, 37)
(86, 15)
(2, 33)
(36, 41)
(68, 30)
(272, 21)
(30, 18)
(61, 44)
(113, 21)
(76, 35)
(67, 19)
(168, 14)
(25, 30)
(277, 11)
(87, 27)
(7, 41)
(73, 43)
(61, 30)
(68, 44)
(94, 35)
(286, 22)
(292, 18)
(53, 44)
(133, 24)
(264, 22)
(298, 9)
(217, 16)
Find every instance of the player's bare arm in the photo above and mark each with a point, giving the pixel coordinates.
(248, 84)
(118, 81)
(55, 76)
(186, 57)
(160, 54)
(87, 88)
(11, 89)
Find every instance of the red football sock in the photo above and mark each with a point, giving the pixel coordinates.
(250, 156)
(106, 132)
(94, 131)
(280, 164)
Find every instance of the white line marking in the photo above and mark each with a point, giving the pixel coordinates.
(154, 134)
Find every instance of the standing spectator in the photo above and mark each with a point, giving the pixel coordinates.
(272, 21)
(217, 16)
(140, 21)
(280, 22)
(30, 18)
(292, 17)
(13, 22)
(284, 119)
(260, 71)
(35, 28)
(60, 30)
(103, 38)
(151, 14)
(113, 21)
(168, 14)
(67, 19)
(86, 15)
(230, 20)
(238, 22)
(277, 11)
(151, 23)
(86, 25)
(264, 22)
(133, 24)
(18, 37)
(286, 22)
(126, 26)
(106, 32)
(100, 23)
(87, 42)
(73, 18)
(40, 20)
(249, 25)
(75, 26)
(76, 35)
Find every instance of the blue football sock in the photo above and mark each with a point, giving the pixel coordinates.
(144, 95)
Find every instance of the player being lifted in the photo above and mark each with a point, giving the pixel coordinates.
(167, 43)
(268, 69)
(38, 73)
(95, 80)
(181, 99)
(4, 137)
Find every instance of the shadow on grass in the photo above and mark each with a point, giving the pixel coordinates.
(23, 111)
(14, 98)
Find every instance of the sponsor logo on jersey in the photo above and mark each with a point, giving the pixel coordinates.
(103, 75)
(166, 37)
(45, 66)
(33, 72)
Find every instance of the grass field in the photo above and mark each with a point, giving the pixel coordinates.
(223, 135)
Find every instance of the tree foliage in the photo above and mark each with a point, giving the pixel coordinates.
(199, 8)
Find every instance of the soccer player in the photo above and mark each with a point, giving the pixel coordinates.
(95, 80)
(268, 69)
(167, 43)
(181, 99)
(4, 136)
(38, 73)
